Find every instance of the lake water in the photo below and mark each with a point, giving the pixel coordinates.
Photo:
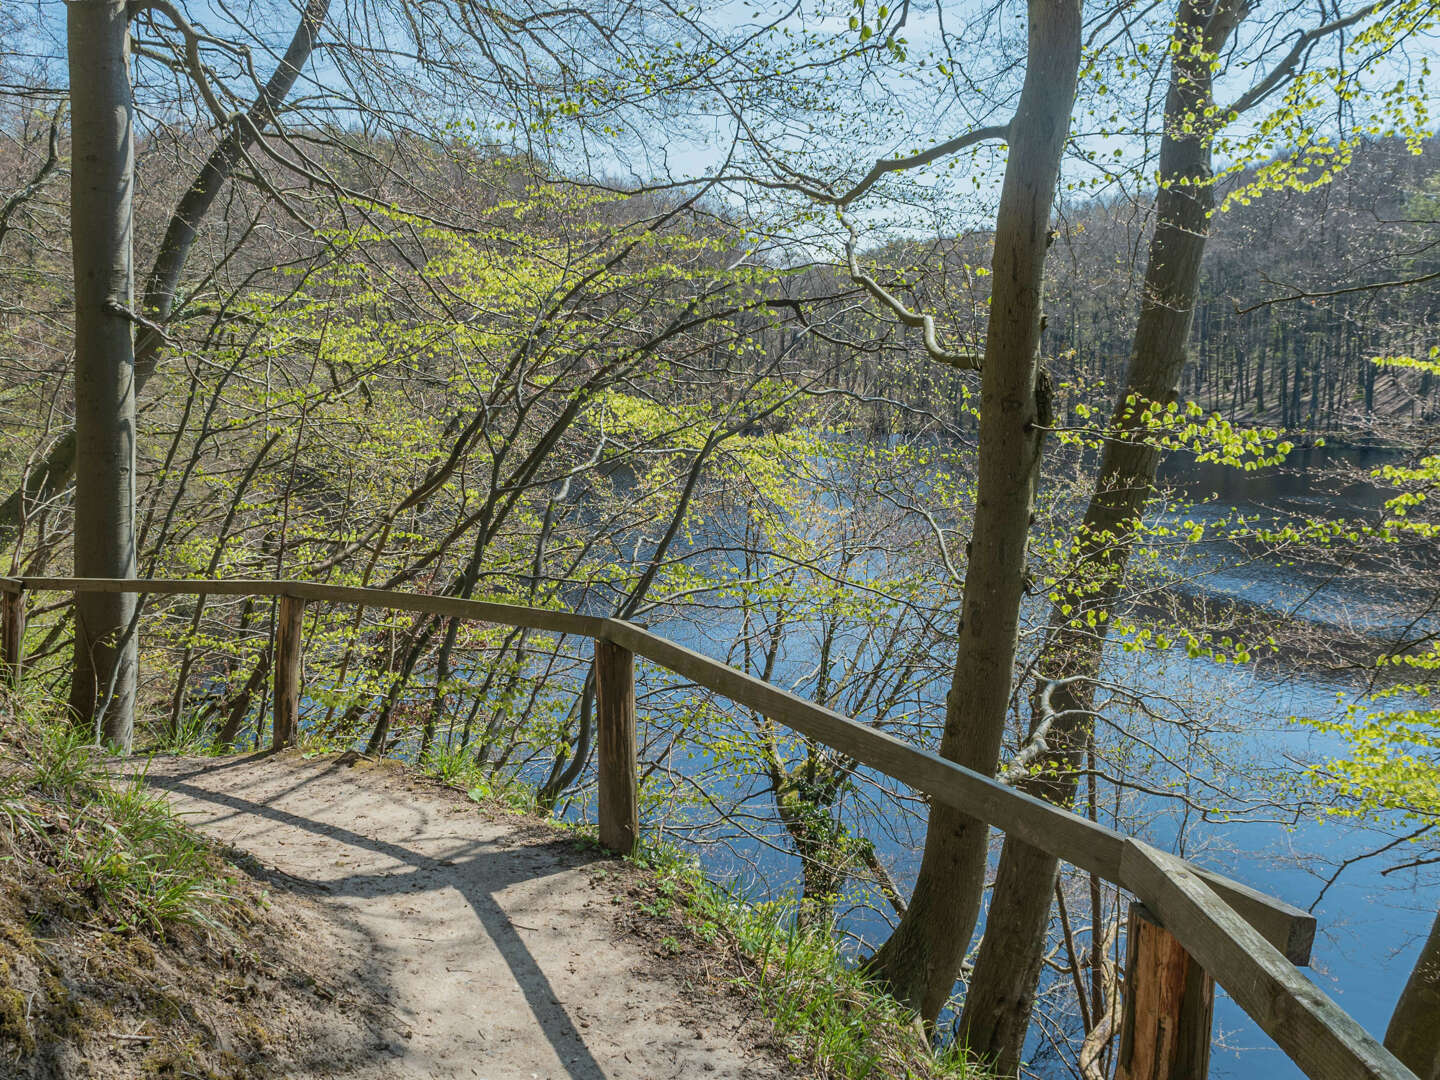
(1370, 924)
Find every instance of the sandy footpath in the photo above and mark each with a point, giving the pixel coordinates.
(494, 941)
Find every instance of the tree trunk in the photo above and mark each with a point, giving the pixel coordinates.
(240, 706)
(1414, 1032)
(1261, 354)
(102, 693)
(1002, 987)
(920, 961)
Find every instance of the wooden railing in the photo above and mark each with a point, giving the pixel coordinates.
(1191, 926)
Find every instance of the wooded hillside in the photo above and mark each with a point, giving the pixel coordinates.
(882, 354)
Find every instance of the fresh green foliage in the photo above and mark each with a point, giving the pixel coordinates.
(1184, 427)
(457, 768)
(1391, 768)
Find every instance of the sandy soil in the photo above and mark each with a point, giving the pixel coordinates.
(496, 941)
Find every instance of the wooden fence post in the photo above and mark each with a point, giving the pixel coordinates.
(12, 631)
(1169, 1001)
(615, 716)
(288, 626)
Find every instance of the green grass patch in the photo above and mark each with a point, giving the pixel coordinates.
(457, 768)
(834, 1020)
(109, 846)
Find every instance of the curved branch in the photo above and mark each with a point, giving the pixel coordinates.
(192, 52)
(963, 360)
(914, 161)
(159, 294)
(1398, 283)
(1019, 765)
(819, 191)
(1286, 68)
(52, 160)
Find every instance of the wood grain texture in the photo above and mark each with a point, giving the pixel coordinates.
(289, 627)
(1068, 836)
(615, 717)
(12, 636)
(1169, 1006)
(1319, 1036)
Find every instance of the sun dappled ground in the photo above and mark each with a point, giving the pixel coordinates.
(493, 936)
(337, 916)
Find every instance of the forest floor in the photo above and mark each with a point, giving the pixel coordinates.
(499, 946)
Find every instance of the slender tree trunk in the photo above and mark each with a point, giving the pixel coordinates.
(1002, 988)
(102, 693)
(240, 706)
(1261, 354)
(921, 959)
(1414, 1032)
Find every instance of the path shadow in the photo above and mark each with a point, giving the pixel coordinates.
(507, 866)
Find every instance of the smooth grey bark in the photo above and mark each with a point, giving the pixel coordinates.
(1414, 1032)
(102, 691)
(920, 961)
(1001, 991)
(158, 298)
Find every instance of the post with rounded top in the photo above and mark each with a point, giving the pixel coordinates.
(289, 620)
(1169, 1003)
(12, 633)
(615, 716)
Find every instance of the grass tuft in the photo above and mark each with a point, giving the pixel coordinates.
(458, 769)
(834, 1020)
(101, 843)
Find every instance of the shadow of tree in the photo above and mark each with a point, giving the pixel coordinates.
(459, 869)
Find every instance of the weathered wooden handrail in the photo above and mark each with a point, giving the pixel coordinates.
(563, 622)
(1077, 840)
(1248, 941)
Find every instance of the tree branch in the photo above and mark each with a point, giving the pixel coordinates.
(28, 191)
(963, 360)
(1286, 68)
(1398, 283)
(914, 161)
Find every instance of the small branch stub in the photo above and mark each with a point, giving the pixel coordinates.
(1169, 1002)
(288, 626)
(615, 715)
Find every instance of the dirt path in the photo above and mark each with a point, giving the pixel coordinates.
(493, 940)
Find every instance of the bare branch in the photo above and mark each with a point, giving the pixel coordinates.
(193, 38)
(1398, 283)
(914, 161)
(963, 360)
(52, 160)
